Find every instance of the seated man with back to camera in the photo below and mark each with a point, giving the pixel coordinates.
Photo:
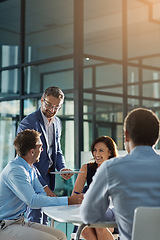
(19, 187)
(132, 180)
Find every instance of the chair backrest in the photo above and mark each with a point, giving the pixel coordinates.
(146, 223)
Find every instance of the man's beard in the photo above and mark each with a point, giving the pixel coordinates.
(49, 114)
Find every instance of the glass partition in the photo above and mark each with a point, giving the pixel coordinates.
(9, 84)
(9, 32)
(39, 77)
(67, 139)
(31, 105)
(103, 28)
(9, 113)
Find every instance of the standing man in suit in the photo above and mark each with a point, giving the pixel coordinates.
(45, 121)
(132, 180)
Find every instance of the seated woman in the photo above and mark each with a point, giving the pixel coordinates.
(103, 148)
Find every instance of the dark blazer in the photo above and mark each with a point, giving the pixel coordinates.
(35, 121)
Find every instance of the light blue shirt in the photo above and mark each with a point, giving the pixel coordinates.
(131, 181)
(19, 187)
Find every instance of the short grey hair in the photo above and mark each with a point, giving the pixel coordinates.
(53, 91)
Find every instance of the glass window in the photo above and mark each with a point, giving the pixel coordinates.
(88, 105)
(102, 116)
(64, 79)
(67, 110)
(109, 78)
(67, 142)
(88, 135)
(66, 114)
(103, 28)
(119, 139)
(151, 90)
(133, 89)
(9, 84)
(9, 32)
(133, 103)
(152, 61)
(38, 78)
(9, 115)
(154, 105)
(108, 108)
(49, 29)
(133, 75)
(143, 30)
(87, 78)
(31, 105)
(150, 75)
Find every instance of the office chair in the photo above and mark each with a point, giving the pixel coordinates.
(146, 223)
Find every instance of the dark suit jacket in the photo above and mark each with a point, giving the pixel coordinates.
(35, 121)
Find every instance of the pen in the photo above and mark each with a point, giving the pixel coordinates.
(76, 192)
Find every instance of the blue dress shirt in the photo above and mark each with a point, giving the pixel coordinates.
(19, 187)
(131, 181)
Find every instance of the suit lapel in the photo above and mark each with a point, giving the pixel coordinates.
(54, 137)
(41, 123)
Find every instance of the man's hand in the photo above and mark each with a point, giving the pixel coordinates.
(68, 175)
(75, 199)
(49, 192)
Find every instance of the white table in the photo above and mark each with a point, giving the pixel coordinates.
(70, 214)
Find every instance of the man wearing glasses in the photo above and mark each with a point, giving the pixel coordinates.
(45, 121)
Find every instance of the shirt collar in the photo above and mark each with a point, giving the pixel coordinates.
(23, 162)
(142, 148)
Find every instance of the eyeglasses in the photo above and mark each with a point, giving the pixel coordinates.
(50, 106)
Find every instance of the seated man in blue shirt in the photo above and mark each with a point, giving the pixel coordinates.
(132, 180)
(20, 187)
